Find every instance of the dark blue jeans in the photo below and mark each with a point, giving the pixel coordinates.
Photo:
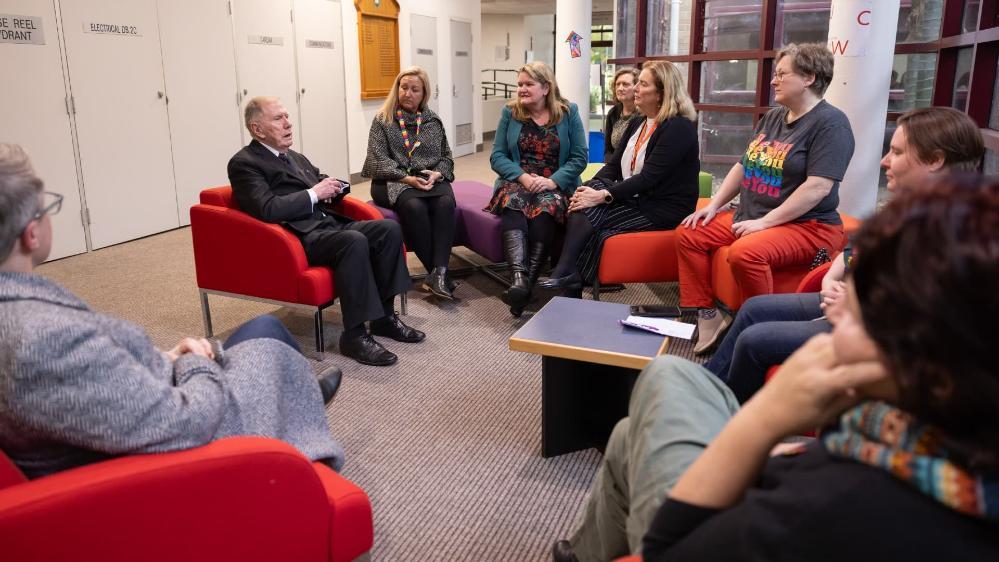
(265, 326)
(767, 329)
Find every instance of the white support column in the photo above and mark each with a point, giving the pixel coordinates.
(573, 73)
(862, 39)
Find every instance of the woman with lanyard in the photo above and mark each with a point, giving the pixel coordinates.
(410, 165)
(650, 183)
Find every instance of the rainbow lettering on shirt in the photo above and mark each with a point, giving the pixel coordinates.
(764, 166)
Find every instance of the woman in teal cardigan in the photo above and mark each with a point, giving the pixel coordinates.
(539, 152)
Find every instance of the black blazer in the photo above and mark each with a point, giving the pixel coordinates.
(267, 189)
(667, 186)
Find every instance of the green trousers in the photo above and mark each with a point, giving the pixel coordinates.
(677, 407)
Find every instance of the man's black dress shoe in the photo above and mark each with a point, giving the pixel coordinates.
(571, 281)
(329, 382)
(392, 327)
(364, 349)
(562, 552)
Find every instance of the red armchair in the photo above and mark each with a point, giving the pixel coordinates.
(242, 498)
(236, 255)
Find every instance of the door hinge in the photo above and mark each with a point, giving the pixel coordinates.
(228, 7)
(291, 14)
(70, 105)
(85, 216)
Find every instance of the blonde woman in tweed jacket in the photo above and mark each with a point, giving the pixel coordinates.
(77, 386)
(410, 165)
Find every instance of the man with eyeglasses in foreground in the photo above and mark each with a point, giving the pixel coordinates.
(77, 386)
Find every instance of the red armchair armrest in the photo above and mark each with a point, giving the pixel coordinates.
(358, 210)
(243, 498)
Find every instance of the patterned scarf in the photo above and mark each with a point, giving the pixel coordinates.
(882, 436)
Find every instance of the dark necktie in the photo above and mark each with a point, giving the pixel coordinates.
(287, 161)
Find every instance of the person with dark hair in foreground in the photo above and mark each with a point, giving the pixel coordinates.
(77, 387)
(907, 470)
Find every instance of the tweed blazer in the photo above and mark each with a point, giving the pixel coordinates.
(572, 154)
(77, 387)
(387, 158)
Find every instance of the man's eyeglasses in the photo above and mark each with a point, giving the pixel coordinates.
(51, 205)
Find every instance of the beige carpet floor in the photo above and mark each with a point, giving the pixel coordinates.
(446, 443)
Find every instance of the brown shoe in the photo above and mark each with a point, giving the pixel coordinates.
(710, 329)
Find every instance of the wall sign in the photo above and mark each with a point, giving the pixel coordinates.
(378, 42)
(108, 28)
(852, 40)
(313, 44)
(265, 40)
(21, 29)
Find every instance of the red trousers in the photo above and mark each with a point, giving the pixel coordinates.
(751, 257)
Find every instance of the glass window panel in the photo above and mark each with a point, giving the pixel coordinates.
(962, 78)
(912, 81)
(724, 137)
(659, 28)
(626, 28)
(919, 21)
(730, 82)
(994, 115)
(731, 25)
(969, 22)
(991, 162)
(802, 21)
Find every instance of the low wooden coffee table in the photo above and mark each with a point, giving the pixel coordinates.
(589, 364)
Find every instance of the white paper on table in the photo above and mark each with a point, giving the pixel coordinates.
(661, 326)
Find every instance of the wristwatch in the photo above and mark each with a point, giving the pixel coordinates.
(608, 198)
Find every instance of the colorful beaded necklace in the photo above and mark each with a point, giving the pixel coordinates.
(405, 133)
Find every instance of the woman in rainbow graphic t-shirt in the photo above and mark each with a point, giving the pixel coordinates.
(788, 188)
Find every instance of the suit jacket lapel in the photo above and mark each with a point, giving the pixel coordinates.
(295, 171)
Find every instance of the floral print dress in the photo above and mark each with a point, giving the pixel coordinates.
(539, 148)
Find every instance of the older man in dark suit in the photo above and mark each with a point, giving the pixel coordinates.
(276, 184)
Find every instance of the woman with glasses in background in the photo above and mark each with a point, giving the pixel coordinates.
(788, 188)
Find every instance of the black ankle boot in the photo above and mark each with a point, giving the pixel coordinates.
(514, 249)
(436, 283)
(536, 260)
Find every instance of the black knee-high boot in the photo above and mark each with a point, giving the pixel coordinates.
(515, 249)
(535, 260)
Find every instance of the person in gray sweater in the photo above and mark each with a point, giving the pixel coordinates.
(77, 386)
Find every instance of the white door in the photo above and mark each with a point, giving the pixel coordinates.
(423, 31)
(34, 111)
(265, 55)
(323, 107)
(464, 87)
(116, 73)
(200, 69)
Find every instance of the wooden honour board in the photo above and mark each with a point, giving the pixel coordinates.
(378, 45)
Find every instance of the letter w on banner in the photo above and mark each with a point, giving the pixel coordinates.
(850, 40)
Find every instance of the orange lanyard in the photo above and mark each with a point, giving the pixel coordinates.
(642, 139)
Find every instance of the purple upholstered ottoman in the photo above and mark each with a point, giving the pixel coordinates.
(476, 229)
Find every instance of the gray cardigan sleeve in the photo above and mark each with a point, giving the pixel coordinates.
(78, 386)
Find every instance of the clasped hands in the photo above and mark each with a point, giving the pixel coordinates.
(536, 184)
(424, 184)
(195, 346)
(586, 197)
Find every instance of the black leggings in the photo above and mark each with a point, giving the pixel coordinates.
(428, 226)
(539, 229)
